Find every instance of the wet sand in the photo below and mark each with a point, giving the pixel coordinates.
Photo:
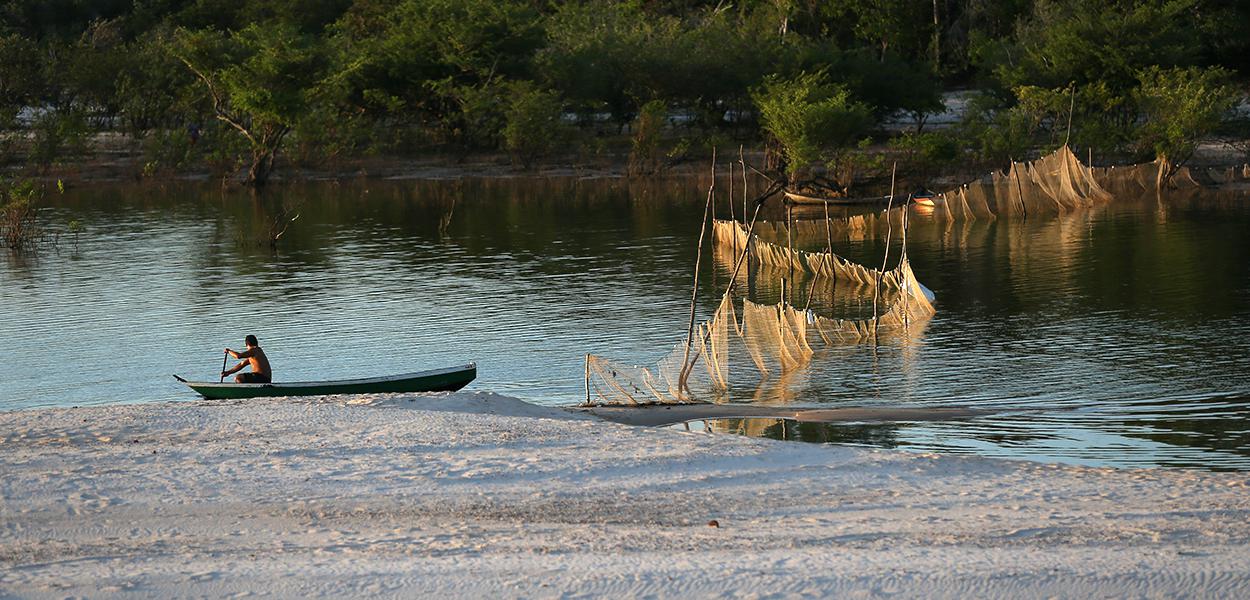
(481, 495)
(656, 415)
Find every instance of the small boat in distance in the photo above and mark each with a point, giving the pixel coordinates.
(437, 380)
(925, 198)
(800, 199)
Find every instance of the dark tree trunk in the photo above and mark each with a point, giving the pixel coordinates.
(264, 153)
(262, 166)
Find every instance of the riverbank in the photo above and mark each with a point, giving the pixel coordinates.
(475, 494)
(115, 157)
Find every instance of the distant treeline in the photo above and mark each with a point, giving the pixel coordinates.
(229, 83)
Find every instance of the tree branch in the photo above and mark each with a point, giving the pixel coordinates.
(219, 103)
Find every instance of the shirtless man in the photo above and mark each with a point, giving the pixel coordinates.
(253, 357)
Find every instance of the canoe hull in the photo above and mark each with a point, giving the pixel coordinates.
(438, 380)
(794, 198)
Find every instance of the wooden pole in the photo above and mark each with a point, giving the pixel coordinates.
(876, 296)
(833, 280)
(902, 259)
(745, 251)
(750, 230)
(1071, 109)
(587, 379)
(789, 250)
(732, 218)
(1019, 189)
(742, 161)
(1089, 172)
(694, 292)
(906, 210)
(811, 291)
(712, 205)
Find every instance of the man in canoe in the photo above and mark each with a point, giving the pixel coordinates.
(252, 357)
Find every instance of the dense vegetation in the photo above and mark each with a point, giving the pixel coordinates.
(230, 84)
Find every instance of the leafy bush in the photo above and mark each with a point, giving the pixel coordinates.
(810, 118)
(533, 123)
(1064, 42)
(19, 82)
(59, 134)
(845, 163)
(1181, 105)
(644, 156)
(927, 153)
(994, 133)
(263, 79)
(19, 229)
(166, 150)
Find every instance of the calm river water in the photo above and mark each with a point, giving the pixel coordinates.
(1118, 336)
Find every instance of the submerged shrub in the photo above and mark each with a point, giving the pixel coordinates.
(644, 156)
(19, 227)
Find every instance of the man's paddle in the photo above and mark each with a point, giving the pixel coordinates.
(224, 358)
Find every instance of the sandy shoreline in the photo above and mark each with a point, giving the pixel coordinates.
(475, 494)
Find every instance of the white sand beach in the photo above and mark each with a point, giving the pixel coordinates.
(476, 494)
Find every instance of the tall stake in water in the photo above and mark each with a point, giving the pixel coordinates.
(587, 379)
(732, 219)
(1015, 171)
(733, 276)
(694, 292)
(876, 295)
(902, 259)
(833, 281)
(789, 254)
(742, 162)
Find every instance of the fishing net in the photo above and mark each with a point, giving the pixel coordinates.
(1229, 174)
(1055, 184)
(698, 373)
(768, 340)
(730, 237)
(818, 232)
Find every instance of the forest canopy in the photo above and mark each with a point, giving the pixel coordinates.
(233, 83)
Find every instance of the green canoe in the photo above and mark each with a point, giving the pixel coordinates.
(437, 380)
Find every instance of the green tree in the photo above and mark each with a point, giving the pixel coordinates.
(439, 62)
(1181, 105)
(994, 133)
(596, 56)
(153, 88)
(307, 16)
(810, 117)
(19, 76)
(1072, 41)
(261, 80)
(890, 85)
(900, 26)
(644, 153)
(533, 125)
